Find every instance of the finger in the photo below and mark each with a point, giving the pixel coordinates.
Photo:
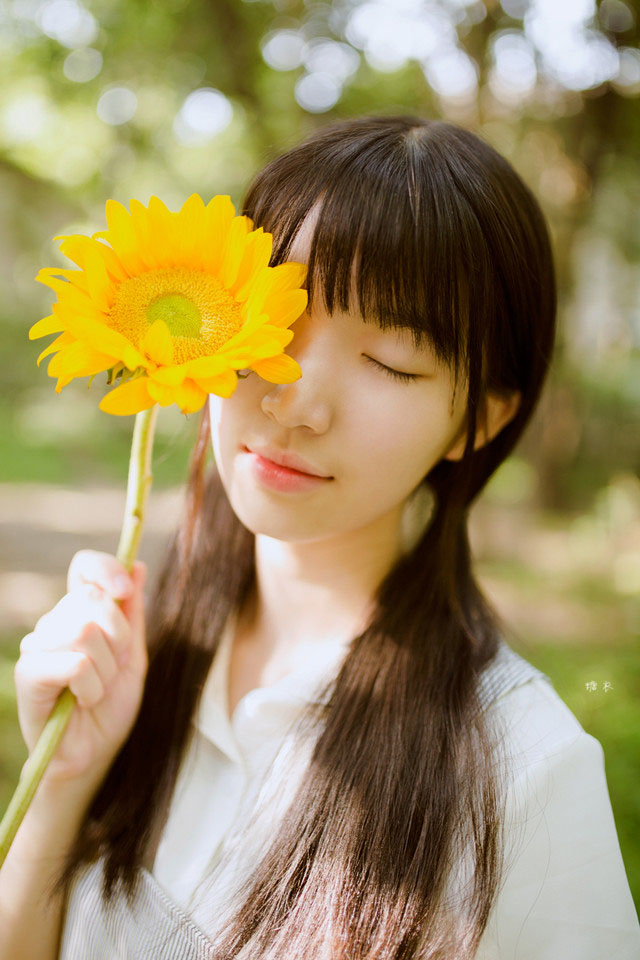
(67, 623)
(45, 675)
(103, 569)
(96, 646)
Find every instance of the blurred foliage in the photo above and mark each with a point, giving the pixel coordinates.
(111, 99)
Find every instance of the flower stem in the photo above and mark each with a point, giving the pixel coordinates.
(138, 485)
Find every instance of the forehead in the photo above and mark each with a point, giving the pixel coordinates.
(301, 245)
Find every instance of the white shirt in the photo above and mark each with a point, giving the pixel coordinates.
(565, 895)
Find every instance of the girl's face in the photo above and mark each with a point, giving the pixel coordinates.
(374, 434)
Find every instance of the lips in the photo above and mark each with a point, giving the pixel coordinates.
(289, 460)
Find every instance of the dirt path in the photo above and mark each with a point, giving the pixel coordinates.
(43, 526)
(537, 573)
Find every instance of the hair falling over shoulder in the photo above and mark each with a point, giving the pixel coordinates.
(403, 784)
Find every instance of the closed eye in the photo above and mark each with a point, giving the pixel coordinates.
(396, 374)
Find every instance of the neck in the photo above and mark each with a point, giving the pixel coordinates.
(313, 590)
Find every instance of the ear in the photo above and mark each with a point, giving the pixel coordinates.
(499, 411)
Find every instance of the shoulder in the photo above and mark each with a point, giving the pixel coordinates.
(565, 891)
(534, 721)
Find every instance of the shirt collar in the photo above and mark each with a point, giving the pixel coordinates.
(263, 716)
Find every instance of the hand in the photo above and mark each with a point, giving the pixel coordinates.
(97, 648)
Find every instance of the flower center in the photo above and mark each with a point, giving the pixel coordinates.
(200, 313)
(178, 312)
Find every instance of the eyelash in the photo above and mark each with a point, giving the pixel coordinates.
(396, 374)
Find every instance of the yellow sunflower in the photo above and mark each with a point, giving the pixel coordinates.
(172, 304)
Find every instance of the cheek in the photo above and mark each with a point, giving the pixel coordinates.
(407, 435)
(231, 421)
(221, 412)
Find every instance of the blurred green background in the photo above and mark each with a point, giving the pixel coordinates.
(128, 99)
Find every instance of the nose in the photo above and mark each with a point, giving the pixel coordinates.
(308, 401)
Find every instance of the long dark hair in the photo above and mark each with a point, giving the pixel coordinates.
(403, 778)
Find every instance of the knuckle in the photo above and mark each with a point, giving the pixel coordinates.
(82, 666)
(89, 632)
(78, 562)
(85, 566)
(27, 642)
(18, 669)
(42, 622)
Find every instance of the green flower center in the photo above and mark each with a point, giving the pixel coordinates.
(179, 313)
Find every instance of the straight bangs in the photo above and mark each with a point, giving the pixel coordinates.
(418, 277)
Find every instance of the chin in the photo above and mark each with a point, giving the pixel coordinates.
(286, 527)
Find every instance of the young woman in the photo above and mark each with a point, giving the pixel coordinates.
(317, 743)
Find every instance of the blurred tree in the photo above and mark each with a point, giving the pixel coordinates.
(120, 99)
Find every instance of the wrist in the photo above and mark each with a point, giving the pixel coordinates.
(54, 816)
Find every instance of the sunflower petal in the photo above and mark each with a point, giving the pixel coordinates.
(206, 366)
(284, 308)
(50, 324)
(130, 397)
(169, 376)
(223, 385)
(281, 335)
(161, 229)
(260, 290)
(62, 341)
(147, 245)
(103, 338)
(245, 356)
(73, 276)
(77, 247)
(73, 280)
(273, 282)
(233, 250)
(287, 276)
(163, 395)
(99, 284)
(191, 228)
(157, 343)
(70, 297)
(122, 237)
(220, 213)
(78, 360)
(190, 397)
(257, 254)
(282, 369)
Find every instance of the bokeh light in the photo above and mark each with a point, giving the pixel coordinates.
(579, 57)
(452, 74)
(627, 80)
(82, 65)
(26, 117)
(204, 114)
(513, 73)
(282, 50)
(317, 92)
(68, 22)
(117, 105)
(339, 60)
(390, 34)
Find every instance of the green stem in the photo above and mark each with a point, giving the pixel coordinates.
(138, 485)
